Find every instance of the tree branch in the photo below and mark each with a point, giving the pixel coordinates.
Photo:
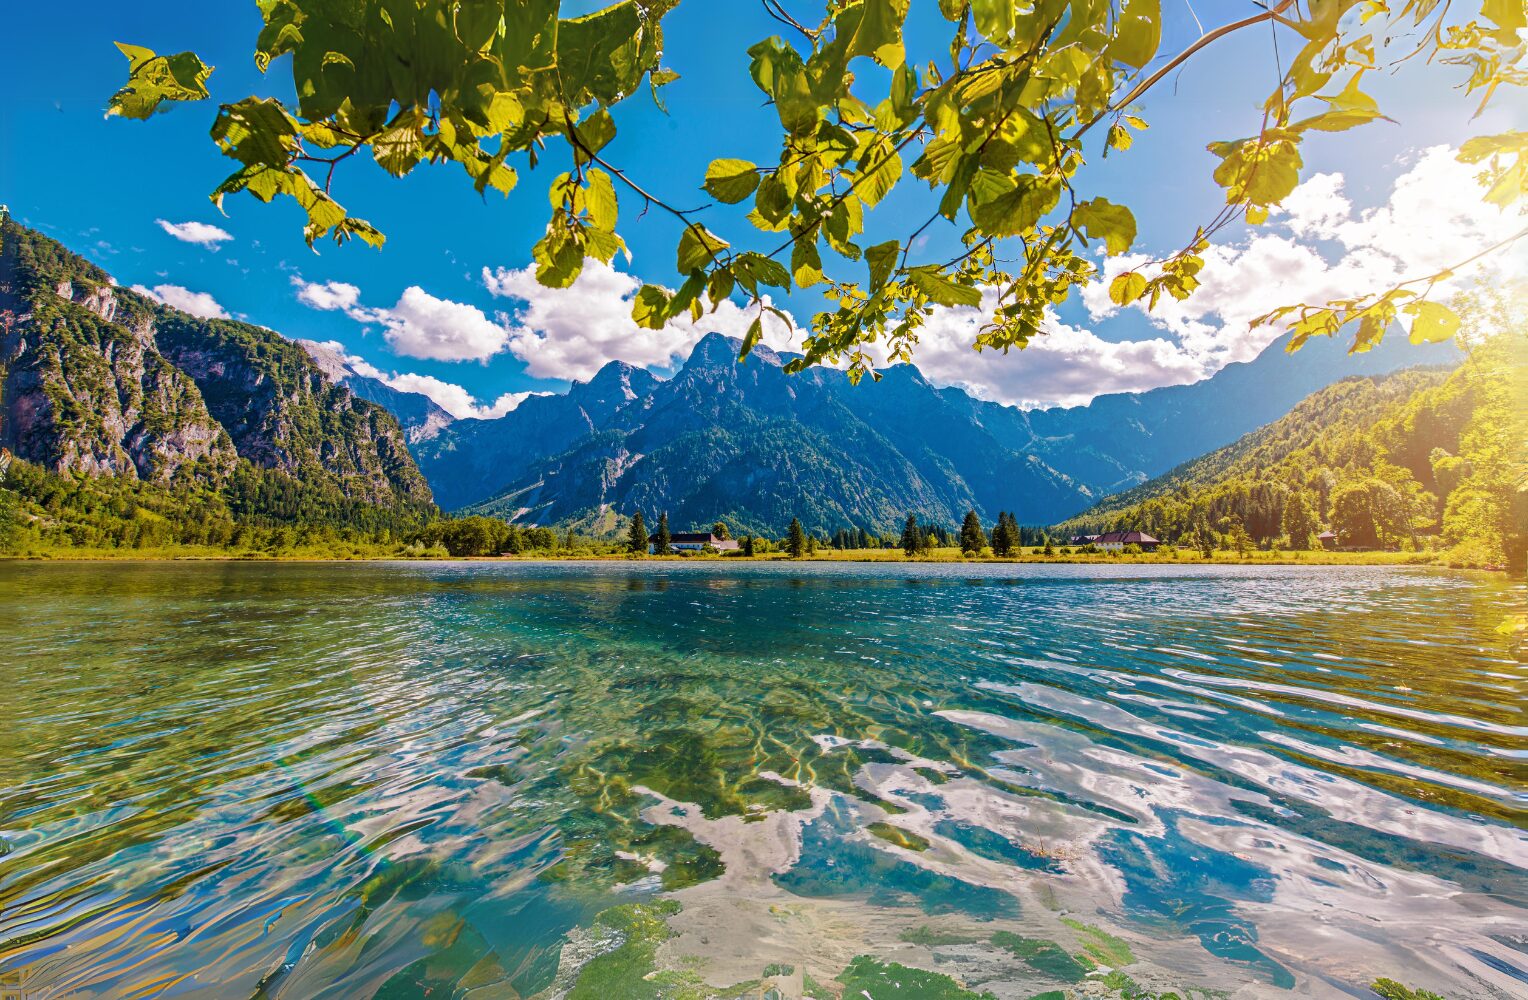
(1182, 57)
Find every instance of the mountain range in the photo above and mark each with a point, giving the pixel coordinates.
(745, 442)
(99, 380)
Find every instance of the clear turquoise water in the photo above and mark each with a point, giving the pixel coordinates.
(240, 780)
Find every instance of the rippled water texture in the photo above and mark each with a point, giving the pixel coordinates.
(438, 780)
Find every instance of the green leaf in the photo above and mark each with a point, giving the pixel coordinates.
(1138, 33)
(600, 200)
(399, 148)
(880, 32)
(994, 18)
(1017, 210)
(1126, 288)
(698, 248)
(650, 307)
(752, 337)
(1431, 323)
(559, 258)
(731, 180)
(596, 132)
(153, 79)
(756, 269)
(939, 289)
(885, 170)
(256, 132)
(1104, 220)
(1349, 108)
(602, 56)
(882, 259)
(1119, 138)
(806, 263)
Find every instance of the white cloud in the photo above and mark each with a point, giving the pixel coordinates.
(327, 295)
(196, 303)
(422, 326)
(570, 333)
(200, 233)
(1067, 366)
(419, 326)
(1434, 219)
(454, 399)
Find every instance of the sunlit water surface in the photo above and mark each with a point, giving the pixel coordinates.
(298, 781)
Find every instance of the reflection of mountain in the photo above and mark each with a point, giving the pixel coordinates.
(748, 443)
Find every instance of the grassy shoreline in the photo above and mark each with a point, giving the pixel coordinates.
(939, 556)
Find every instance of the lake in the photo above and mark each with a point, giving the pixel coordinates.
(479, 780)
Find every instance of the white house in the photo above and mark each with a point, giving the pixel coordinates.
(694, 541)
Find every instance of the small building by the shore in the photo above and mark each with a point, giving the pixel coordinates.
(1114, 541)
(1328, 539)
(1083, 540)
(695, 541)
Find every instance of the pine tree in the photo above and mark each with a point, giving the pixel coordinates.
(1049, 549)
(1005, 536)
(912, 537)
(795, 542)
(972, 537)
(662, 539)
(636, 539)
(747, 546)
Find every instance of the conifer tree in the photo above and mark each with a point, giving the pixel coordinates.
(636, 539)
(747, 546)
(972, 538)
(1005, 536)
(795, 542)
(662, 539)
(912, 536)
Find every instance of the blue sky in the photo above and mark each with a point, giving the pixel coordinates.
(103, 185)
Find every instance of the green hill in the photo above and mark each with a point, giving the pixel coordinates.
(1421, 458)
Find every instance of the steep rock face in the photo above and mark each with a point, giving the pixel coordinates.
(83, 387)
(284, 413)
(100, 380)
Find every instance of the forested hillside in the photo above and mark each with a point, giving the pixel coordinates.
(1419, 459)
(128, 423)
